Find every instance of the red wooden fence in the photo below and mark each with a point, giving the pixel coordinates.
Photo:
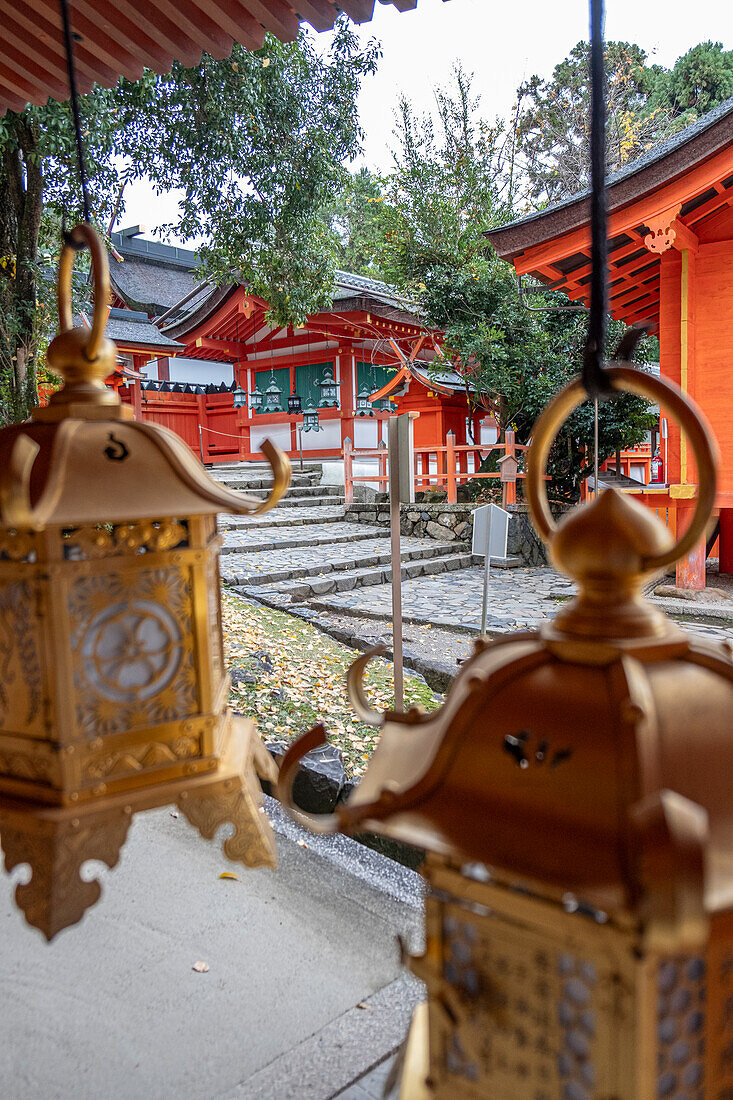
(451, 466)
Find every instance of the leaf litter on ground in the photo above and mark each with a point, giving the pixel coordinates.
(307, 681)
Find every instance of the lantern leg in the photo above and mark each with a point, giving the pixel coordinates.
(56, 845)
(236, 800)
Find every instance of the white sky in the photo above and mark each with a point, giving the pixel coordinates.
(502, 42)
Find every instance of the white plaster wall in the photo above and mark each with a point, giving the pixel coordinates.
(200, 371)
(333, 472)
(328, 439)
(365, 433)
(279, 434)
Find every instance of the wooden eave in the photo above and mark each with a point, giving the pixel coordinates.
(116, 38)
(696, 178)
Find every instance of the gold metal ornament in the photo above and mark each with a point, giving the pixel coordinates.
(113, 689)
(575, 797)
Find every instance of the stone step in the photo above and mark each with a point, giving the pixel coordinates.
(320, 514)
(343, 580)
(249, 541)
(256, 469)
(308, 502)
(265, 481)
(282, 566)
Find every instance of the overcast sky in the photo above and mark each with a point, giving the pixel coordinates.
(502, 43)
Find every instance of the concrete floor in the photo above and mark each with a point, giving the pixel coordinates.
(112, 1008)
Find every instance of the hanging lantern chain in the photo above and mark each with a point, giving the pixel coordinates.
(594, 380)
(74, 100)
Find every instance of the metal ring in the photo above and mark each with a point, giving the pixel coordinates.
(83, 234)
(665, 393)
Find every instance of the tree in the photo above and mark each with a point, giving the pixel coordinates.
(700, 80)
(553, 119)
(256, 144)
(447, 190)
(358, 215)
(448, 184)
(644, 105)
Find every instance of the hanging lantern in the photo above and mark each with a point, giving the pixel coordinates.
(294, 404)
(114, 689)
(575, 796)
(255, 399)
(329, 390)
(239, 398)
(363, 404)
(310, 418)
(273, 395)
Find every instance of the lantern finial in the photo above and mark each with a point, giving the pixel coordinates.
(83, 357)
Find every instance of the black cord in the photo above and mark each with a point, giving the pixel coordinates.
(74, 99)
(594, 378)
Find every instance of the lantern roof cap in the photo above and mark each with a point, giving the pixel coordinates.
(108, 470)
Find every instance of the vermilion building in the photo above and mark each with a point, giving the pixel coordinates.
(220, 337)
(670, 263)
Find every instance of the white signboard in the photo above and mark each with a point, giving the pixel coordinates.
(490, 529)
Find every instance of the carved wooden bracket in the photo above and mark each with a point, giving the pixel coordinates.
(662, 234)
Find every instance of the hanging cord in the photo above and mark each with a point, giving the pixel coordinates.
(74, 99)
(594, 379)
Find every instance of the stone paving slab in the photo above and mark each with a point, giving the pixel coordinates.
(255, 539)
(112, 1008)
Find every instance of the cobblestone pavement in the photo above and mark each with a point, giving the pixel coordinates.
(517, 598)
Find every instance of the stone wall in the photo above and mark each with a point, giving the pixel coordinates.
(453, 523)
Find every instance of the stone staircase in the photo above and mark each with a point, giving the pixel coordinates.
(306, 548)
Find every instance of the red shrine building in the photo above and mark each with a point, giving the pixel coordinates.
(670, 263)
(356, 363)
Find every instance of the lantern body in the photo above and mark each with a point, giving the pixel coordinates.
(329, 390)
(294, 404)
(310, 419)
(273, 394)
(255, 400)
(114, 687)
(575, 796)
(527, 999)
(363, 404)
(239, 398)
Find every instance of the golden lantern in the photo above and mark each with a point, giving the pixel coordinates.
(575, 797)
(113, 697)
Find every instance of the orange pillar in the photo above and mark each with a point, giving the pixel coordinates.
(690, 570)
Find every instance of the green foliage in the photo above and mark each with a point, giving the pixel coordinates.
(447, 190)
(358, 217)
(644, 105)
(447, 185)
(701, 80)
(255, 143)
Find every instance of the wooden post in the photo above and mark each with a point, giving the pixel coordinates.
(450, 467)
(382, 459)
(393, 437)
(348, 472)
(510, 449)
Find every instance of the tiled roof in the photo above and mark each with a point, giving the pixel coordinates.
(347, 285)
(152, 276)
(127, 327)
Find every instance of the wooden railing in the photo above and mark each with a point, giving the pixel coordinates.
(453, 466)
